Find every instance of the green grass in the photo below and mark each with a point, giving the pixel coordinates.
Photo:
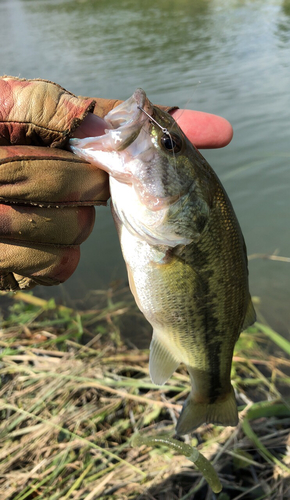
(73, 394)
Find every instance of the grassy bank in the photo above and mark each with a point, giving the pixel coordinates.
(73, 393)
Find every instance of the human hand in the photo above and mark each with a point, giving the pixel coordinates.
(46, 193)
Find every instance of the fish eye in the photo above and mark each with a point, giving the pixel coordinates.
(171, 142)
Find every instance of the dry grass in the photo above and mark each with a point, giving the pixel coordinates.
(72, 394)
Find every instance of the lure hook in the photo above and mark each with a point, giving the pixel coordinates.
(151, 119)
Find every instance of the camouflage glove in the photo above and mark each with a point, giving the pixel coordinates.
(47, 194)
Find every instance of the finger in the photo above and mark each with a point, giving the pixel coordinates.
(204, 130)
(49, 176)
(40, 225)
(46, 264)
(92, 126)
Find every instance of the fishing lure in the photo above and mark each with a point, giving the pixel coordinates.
(203, 465)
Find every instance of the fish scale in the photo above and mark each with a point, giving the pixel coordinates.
(184, 250)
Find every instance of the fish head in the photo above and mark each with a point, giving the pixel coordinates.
(143, 146)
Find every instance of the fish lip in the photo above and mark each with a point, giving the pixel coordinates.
(143, 103)
(129, 113)
(140, 97)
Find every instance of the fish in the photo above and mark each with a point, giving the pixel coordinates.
(184, 251)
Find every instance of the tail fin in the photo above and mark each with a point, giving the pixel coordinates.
(194, 414)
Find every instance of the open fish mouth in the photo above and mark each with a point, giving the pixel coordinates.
(124, 124)
(129, 112)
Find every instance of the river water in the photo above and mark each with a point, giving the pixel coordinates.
(230, 58)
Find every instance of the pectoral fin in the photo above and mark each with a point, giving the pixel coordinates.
(162, 363)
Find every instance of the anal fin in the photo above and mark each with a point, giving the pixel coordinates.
(162, 363)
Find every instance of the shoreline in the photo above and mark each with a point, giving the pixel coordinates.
(73, 393)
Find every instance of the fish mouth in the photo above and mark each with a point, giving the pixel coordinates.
(123, 125)
(117, 146)
(128, 118)
(129, 111)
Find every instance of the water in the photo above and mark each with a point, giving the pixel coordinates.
(230, 58)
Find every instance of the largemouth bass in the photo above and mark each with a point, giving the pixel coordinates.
(184, 250)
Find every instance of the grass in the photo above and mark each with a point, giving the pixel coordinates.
(73, 394)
